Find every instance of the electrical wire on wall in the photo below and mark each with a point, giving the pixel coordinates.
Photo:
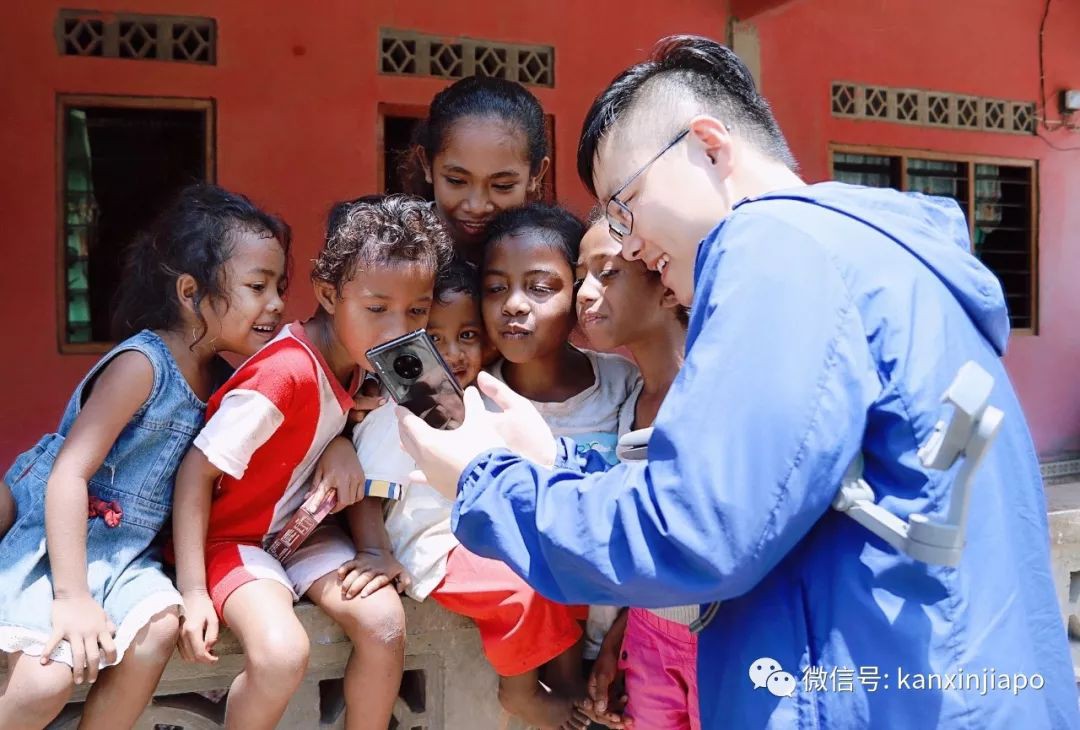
(1042, 114)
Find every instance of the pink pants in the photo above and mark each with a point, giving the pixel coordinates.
(660, 661)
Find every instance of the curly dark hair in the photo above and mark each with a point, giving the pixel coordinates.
(193, 235)
(380, 230)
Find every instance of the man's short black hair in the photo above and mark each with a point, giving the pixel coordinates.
(681, 67)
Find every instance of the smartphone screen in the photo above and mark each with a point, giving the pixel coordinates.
(417, 377)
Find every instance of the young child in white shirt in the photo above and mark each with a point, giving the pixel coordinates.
(521, 631)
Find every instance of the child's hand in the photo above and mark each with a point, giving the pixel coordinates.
(367, 399)
(370, 570)
(198, 628)
(339, 469)
(85, 625)
(605, 696)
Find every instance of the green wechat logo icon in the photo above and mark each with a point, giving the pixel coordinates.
(768, 673)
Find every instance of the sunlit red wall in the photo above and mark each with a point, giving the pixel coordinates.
(297, 90)
(980, 47)
(297, 95)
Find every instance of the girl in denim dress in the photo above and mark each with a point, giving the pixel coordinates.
(81, 581)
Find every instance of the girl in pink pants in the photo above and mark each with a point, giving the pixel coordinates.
(621, 303)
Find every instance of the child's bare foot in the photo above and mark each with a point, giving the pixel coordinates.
(546, 710)
(7, 509)
(578, 720)
(527, 699)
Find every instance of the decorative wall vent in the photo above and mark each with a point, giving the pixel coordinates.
(145, 37)
(1062, 470)
(407, 53)
(932, 108)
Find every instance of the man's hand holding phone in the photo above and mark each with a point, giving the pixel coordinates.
(443, 455)
(414, 373)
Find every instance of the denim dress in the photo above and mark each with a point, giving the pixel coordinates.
(123, 560)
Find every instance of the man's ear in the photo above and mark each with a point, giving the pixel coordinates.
(325, 295)
(424, 163)
(711, 139)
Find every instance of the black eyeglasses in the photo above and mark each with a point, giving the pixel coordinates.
(620, 218)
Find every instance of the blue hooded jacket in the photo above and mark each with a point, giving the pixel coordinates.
(827, 320)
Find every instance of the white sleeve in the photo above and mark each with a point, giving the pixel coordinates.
(245, 421)
(385, 463)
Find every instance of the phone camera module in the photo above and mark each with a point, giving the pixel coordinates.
(408, 366)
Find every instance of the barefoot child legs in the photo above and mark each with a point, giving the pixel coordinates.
(355, 584)
(276, 651)
(374, 623)
(520, 630)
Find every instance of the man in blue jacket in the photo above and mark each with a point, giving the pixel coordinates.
(826, 321)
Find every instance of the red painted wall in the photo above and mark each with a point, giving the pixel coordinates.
(297, 94)
(982, 47)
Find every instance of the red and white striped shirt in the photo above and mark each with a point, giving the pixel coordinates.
(266, 429)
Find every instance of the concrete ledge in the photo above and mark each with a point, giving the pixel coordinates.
(447, 682)
(1063, 516)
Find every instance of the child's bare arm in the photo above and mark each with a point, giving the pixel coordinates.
(374, 565)
(339, 469)
(191, 515)
(367, 524)
(117, 394)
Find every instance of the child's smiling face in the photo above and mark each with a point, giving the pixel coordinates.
(528, 295)
(249, 314)
(457, 330)
(618, 301)
(482, 169)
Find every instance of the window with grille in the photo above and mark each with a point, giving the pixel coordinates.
(998, 198)
(120, 160)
